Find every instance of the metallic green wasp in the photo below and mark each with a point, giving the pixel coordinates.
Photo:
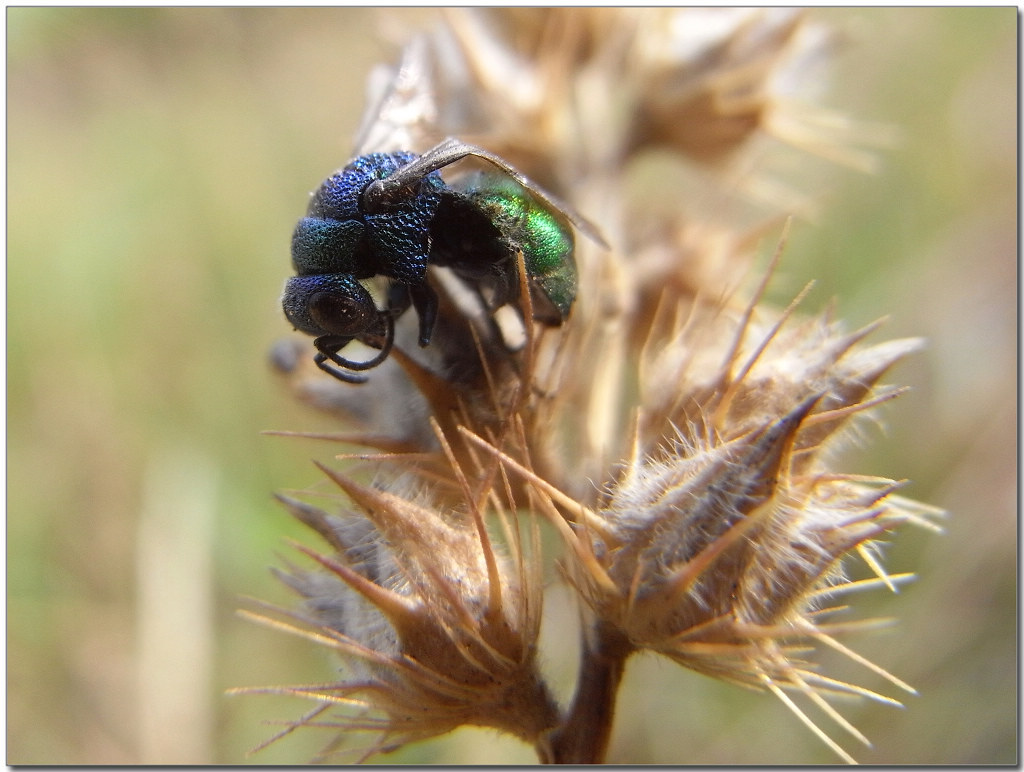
(392, 215)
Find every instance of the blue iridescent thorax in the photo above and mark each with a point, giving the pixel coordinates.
(338, 235)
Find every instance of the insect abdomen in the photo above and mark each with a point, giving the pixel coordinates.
(545, 239)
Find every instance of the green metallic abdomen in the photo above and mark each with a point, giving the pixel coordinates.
(544, 237)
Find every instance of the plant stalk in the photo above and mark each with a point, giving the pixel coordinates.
(584, 734)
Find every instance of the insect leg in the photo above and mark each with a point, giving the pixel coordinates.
(424, 300)
(325, 351)
(328, 347)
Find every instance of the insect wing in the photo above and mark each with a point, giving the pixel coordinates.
(455, 150)
(402, 103)
(452, 150)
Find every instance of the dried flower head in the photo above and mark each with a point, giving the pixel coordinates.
(438, 626)
(676, 430)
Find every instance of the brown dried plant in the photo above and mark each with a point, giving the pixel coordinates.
(675, 432)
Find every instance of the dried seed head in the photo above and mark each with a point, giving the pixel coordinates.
(675, 430)
(437, 627)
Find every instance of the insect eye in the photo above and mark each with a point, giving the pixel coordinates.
(331, 304)
(345, 313)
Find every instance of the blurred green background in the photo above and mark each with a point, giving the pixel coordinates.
(157, 161)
